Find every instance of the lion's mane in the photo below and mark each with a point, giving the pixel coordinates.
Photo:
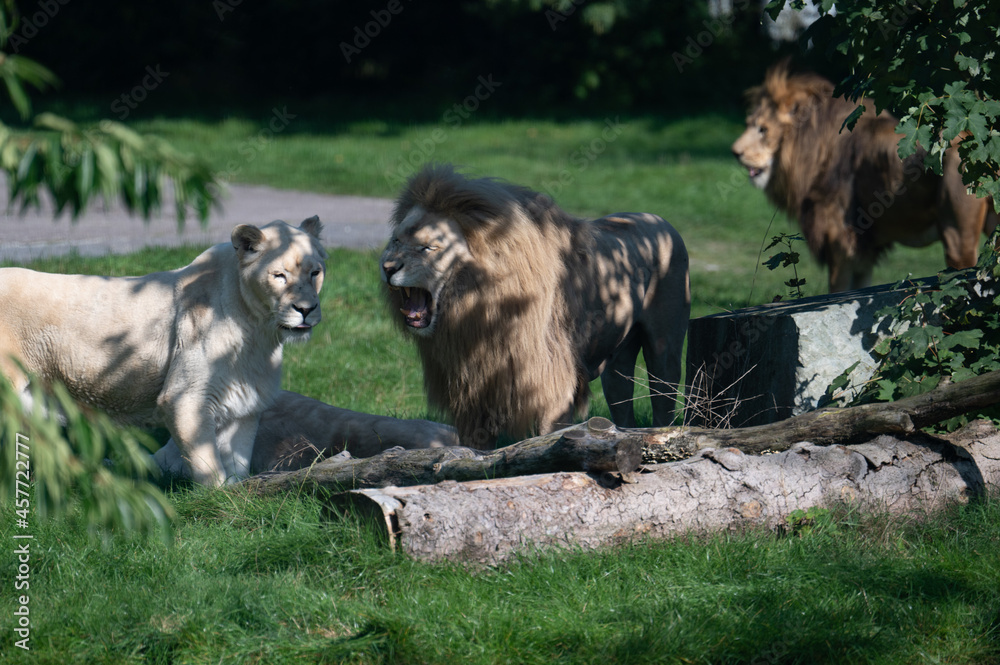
(505, 354)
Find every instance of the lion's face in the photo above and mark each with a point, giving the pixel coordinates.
(423, 255)
(758, 144)
(281, 274)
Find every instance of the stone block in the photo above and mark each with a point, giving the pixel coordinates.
(764, 364)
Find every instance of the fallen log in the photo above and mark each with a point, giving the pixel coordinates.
(598, 446)
(828, 426)
(595, 446)
(488, 521)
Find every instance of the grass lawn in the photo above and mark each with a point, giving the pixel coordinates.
(679, 168)
(250, 580)
(279, 581)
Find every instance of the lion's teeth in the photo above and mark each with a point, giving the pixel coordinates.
(404, 311)
(406, 290)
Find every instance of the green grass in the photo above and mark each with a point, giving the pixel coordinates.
(281, 580)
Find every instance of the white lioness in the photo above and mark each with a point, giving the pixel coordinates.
(197, 349)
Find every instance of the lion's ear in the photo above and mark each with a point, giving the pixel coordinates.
(312, 226)
(247, 239)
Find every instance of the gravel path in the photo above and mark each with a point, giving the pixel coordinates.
(349, 221)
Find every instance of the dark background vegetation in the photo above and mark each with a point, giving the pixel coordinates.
(552, 60)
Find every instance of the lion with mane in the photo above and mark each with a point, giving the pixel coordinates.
(850, 192)
(516, 306)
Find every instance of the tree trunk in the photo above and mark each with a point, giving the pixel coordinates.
(598, 446)
(487, 521)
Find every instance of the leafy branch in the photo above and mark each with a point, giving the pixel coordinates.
(67, 461)
(74, 164)
(785, 259)
(949, 332)
(930, 64)
(68, 465)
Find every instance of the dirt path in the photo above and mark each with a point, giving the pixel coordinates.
(350, 221)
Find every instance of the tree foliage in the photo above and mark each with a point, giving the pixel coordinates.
(640, 55)
(88, 465)
(76, 164)
(948, 331)
(931, 64)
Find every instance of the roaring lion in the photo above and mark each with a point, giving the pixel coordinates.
(851, 194)
(197, 349)
(516, 306)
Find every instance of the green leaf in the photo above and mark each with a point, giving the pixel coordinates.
(964, 338)
(774, 7)
(954, 125)
(55, 123)
(967, 64)
(851, 120)
(17, 94)
(775, 261)
(978, 125)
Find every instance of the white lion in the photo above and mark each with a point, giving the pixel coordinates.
(196, 349)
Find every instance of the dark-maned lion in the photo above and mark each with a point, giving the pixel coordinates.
(851, 194)
(516, 306)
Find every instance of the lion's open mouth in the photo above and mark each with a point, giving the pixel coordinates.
(417, 306)
(759, 175)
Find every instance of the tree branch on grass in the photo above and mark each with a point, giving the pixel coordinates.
(597, 446)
